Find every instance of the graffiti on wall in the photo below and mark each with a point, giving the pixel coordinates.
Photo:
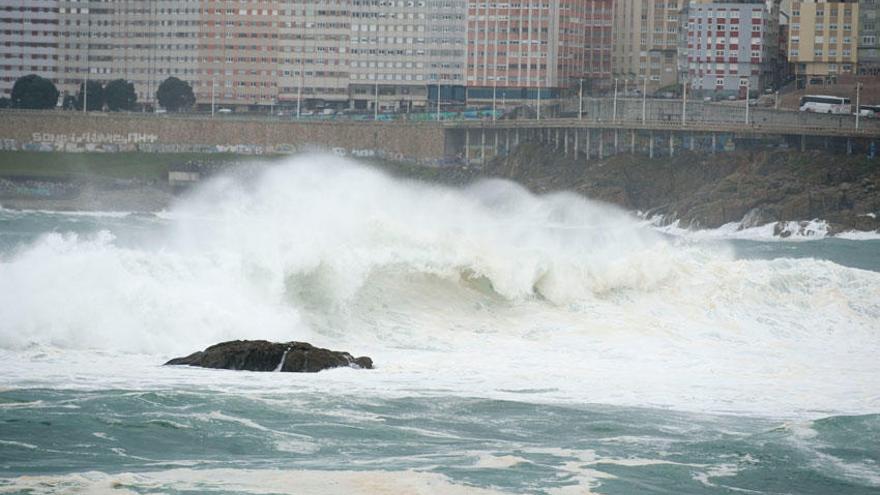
(94, 138)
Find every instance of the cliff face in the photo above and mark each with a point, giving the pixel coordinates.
(707, 191)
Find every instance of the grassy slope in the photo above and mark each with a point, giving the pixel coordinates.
(145, 166)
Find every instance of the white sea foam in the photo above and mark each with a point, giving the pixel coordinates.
(486, 291)
(243, 481)
(806, 230)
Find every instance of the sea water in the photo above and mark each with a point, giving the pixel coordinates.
(522, 343)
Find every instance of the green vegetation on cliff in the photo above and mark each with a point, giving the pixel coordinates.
(62, 165)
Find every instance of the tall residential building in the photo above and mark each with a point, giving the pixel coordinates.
(732, 46)
(869, 37)
(28, 41)
(400, 48)
(143, 42)
(339, 53)
(823, 40)
(647, 40)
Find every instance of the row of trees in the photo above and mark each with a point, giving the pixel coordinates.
(38, 93)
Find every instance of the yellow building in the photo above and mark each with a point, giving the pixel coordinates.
(823, 40)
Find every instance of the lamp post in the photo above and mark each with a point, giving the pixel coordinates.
(581, 101)
(748, 88)
(88, 46)
(645, 100)
(438, 98)
(538, 116)
(684, 101)
(494, 93)
(213, 98)
(858, 104)
(614, 111)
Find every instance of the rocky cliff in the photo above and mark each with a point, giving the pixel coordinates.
(707, 191)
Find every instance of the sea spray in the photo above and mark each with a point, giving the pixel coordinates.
(482, 291)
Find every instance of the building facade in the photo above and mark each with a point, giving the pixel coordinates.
(293, 54)
(648, 41)
(869, 37)
(732, 47)
(823, 40)
(28, 41)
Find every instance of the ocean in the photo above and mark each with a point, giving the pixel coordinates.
(522, 344)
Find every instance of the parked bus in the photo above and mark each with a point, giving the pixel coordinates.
(825, 104)
(870, 111)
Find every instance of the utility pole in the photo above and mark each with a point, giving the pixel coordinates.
(438, 99)
(376, 104)
(858, 104)
(684, 101)
(614, 114)
(581, 104)
(645, 100)
(86, 80)
(539, 99)
(494, 93)
(213, 84)
(748, 88)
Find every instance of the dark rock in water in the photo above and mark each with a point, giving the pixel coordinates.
(261, 355)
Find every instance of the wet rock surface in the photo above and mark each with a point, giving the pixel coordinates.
(261, 355)
(755, 187)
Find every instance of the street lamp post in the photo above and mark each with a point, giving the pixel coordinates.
(614, 112)
(213, 98)
(494, 94)
(748, 89)
(684, 101)
(539, 100)
(581, 101)
(858, 104)
(645, 100)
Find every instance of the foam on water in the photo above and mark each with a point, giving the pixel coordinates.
(487, 291)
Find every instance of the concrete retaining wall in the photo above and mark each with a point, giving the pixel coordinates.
(70, 131)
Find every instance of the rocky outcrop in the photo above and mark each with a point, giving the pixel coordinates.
(707, 191)
(261, 355)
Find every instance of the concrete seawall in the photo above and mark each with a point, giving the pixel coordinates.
(70, 131)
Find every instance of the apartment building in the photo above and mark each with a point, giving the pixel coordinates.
(143, 42)
(823, 40)
(731, 46)
(400, 48)
(358, 54)
(28, 41)
(869, 37)
(648, 41)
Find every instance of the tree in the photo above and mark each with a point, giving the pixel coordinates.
(120, 95)
(175, 95)
(34, 92)
(95, 98)
(5, 102)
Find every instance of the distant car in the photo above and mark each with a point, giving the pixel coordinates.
(224, 110)
(161, 110)
(328, 111)
(307, 113)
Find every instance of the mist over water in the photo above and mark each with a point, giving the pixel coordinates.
(487, 291)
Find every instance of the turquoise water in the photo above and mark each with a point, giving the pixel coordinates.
(522, 345)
